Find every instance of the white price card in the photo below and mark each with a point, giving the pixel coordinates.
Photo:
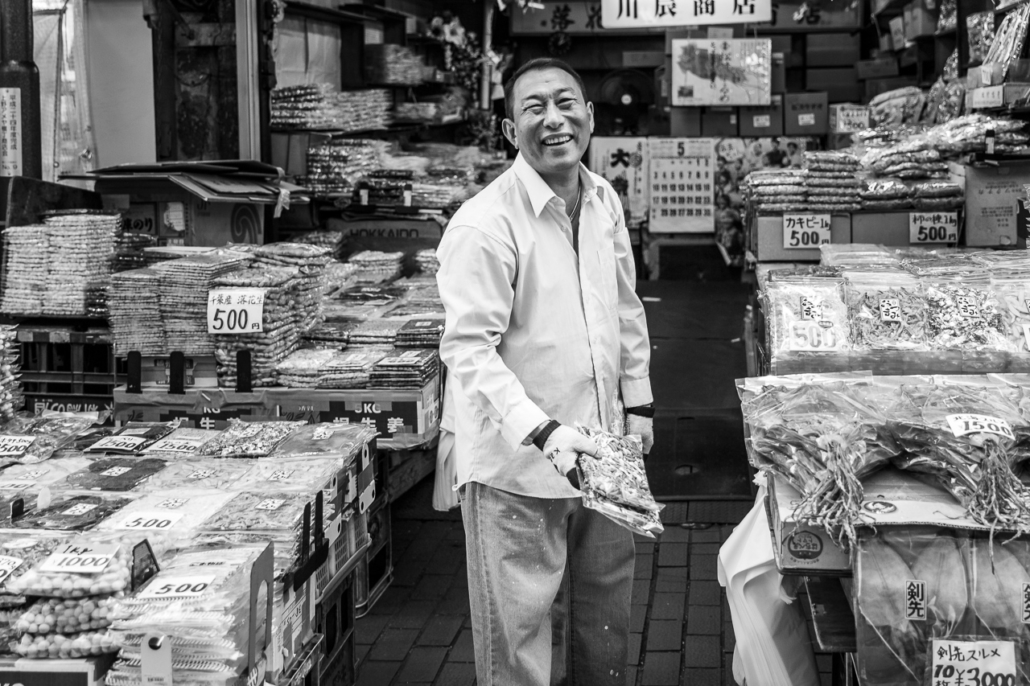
(966, 306)
(177, 587)
(15, 446)
(269, 504)
(963, 424)
(201, 474)
(280, 475)
(235, 310)
(80, 557)
(116, 471)
(187, 446)
(805, 230)
(852, 119)
(129, 443)
(761, 121)
(932, 227)
(151, 521)
(964, 663)
(79, 510)
(8, 565)
(806, 119)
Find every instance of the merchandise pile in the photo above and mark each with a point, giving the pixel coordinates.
(51, 269)
(832, 186)
(321, 107)
(334, 165)
(375, 266)
(351, 369)
(420, 333)
(309, 285)
(385, 187)
(393, 64)
(409, 369)
(10, 387)
(900, 311)
(427, 261)
(134, 302)
(772, 191)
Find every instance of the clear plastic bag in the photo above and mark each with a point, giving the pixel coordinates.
(807, 317)
(114, 474)
(344, 440)
(51, 431)
(265, 511)
(133, 438)
(298, 475)
(60, 646)
(963, 313)
(66, 616)
(181, 443)
(615, 483)
(207, 474)
(30, 478)
(20, 552)
(76, 513)
(887, 311)
(177, 513)
(248, 439)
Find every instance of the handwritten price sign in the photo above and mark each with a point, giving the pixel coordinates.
(802, 231)
(932, 227)
(959, 663)
(235, 310)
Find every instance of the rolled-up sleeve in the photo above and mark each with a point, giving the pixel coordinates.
(635, 345)
(476, 274)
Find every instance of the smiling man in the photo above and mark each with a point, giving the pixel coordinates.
(544, 333)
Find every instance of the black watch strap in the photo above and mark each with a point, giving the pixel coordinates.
(642, 411)
(545, 433)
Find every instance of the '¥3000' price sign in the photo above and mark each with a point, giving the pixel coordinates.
(235, 310)
(965, 663)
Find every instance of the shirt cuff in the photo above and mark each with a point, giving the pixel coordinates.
(520, 422)
(636, 392)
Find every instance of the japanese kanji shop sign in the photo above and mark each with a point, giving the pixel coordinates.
(626, 14)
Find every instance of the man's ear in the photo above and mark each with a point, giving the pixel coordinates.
(590, 114)
(508, 127)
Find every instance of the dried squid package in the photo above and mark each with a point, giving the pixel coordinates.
(297, 475)
(808, 317)
(51, 432)
(30, 478)
(342, 440)
(615, 483)
(248, 439)
(887, 310)
(202, 474)
(963, 313)
(113, 474)
(77, 513)
(170, 513)
(1013, 293)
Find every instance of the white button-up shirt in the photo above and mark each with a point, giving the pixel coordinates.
(535, 332)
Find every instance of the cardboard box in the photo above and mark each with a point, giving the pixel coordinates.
(779, 73)
(832, 49)
(884, 228)
(996, 211)
(840, 84)
(685, 122)
(806, 114)
(918, 21)
(848, 118)
(897, 25)
(879, 68)
(800, 549)
(719, 122)
(79, 672)
(767, 240)
(762, 121)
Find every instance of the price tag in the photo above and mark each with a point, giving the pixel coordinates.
(201, 474)
(761, 121)
(280, 475)
(890, 310)
(966, 306)
(814, 336)
(960, 663)
(114, 443)
(269, 504)
(176, 445)
(177, 587)
(34, 474)
(235, 310)
(8, 565)
(80, 557)
(963, 424)
(806, 119)
(802, 231)
(852, 119)
(811, 308)
(932, 227)
(173, 503)
(15, 446)
(116, 471)
(78, 510)
(151, 521)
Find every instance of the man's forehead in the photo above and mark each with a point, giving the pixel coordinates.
(541, 82)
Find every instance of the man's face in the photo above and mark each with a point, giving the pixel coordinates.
(552, 121)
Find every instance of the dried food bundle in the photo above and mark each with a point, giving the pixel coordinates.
(969, 439)
(343, 441)
(114, 474)
(980, 33)
(76, 513)
(168, 514)
(375, 266)
(887, 310)
(615, 483)
(352, 368)
(405, 369)
(248, 439)
(823, 439)
(50, 432)
(1008, 43)
(196, 474)
(132, 438)
(1012, 290)
(963, 313)
(134, 303)
(830, 161)
(303, 368)
(420, 333)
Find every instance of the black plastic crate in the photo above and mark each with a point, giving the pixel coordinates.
(334, 619)
(63, 367)
(374, 572)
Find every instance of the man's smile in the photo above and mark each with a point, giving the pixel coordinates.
(557, 139)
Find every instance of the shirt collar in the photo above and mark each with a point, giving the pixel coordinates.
(539, 192)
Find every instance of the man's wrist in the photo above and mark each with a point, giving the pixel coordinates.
(535, 432)
(541, 438)
(642, 411)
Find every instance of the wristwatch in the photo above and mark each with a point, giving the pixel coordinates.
(642, 411)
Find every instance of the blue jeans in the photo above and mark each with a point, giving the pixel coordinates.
(518, 548)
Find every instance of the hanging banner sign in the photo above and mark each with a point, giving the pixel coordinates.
(630, 14)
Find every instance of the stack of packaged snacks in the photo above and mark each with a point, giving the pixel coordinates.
(832, 186)
(773, 191)
(134, 302)
(309, 284)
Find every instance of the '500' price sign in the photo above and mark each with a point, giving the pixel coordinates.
(932, 227)
(805, 230)
(235, 310)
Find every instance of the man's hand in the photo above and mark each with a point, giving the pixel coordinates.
(563, 448)
(643, 427)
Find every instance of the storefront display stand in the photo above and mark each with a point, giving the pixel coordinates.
(832, 617)
(652, 243)
(87, 671)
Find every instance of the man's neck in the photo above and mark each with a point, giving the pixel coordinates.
(565, 186)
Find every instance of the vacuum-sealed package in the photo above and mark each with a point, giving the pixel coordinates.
(325, 439)
(176, 513)
(20, 551)
(615, 483)
(887, 310)
(297, 475)
(133, 438)
(30, 478)
(77, 513)
(181, 443)
(114, 474)
(248, 439)
(50, 432)
(200, 474)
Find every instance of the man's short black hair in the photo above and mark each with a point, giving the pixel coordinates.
(537, 64)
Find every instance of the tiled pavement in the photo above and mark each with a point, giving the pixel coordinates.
(419, 631)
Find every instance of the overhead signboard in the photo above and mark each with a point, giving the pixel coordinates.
(629, 14)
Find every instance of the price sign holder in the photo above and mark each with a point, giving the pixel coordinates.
(932, 227)
(955, 663)
(805, 231)
(186, 586)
